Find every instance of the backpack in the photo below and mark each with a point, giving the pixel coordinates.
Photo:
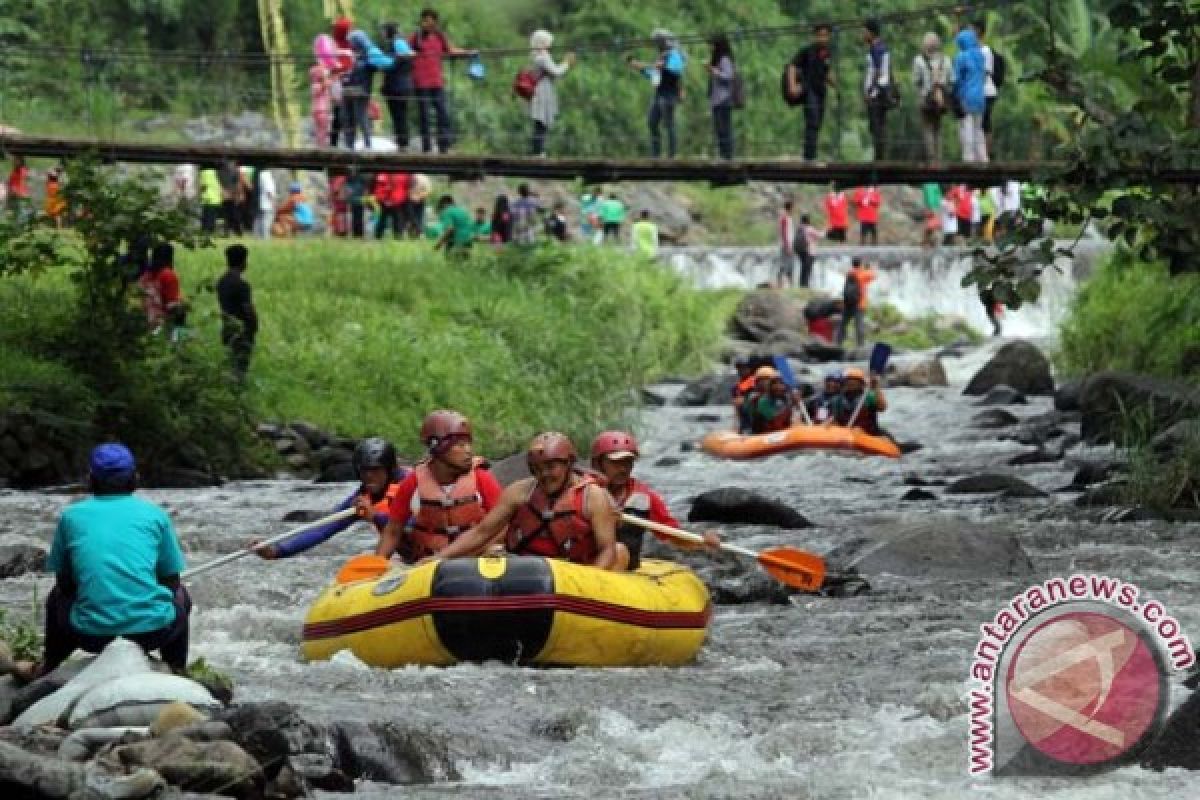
(999, 69)
(525, 84)
(800, 241)
(738, 90)
(792, 99)
(851, 292)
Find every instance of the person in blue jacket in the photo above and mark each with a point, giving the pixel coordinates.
(375, 462)
(970, 75)
(357, 85)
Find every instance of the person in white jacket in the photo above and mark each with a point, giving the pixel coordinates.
(266, 203)
(543, 108)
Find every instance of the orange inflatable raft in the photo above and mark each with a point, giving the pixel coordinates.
(800, 437)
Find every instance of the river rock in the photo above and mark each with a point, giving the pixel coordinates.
(1066, 396)
(1106, 494)
(709, 390)
(1038, 456)
(339, 472)
(935, 546)
(313, 436)
(1003, 396)
(1017, 364)
(394, 753)
(668, 461)
(823, 352)
(744, 507)
(1090, 472)
(787, 342)
(195, 766)
(1108, 398)
(511, 469)
(1176, 745)
(913, 495)
(332, 454)
(27, 775)
(762, 312)
(988, 482)
(18, 559)
(920, 375)
(8, 693)
(994, 418)
(182, 478)
(652, 398)
(275, 734)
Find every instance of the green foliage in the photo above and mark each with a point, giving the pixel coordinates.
(1132, 316)
(24, 636)
(208, 675)
(887, 324)
(367, 339)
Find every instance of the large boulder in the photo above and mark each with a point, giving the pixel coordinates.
(935, 546)
(276, 736)
(1066, 396)
(762, 312)
(195, 766)
(990, 482)
(1176, 745)
(709, 390)
(918, 375)
(787, 342)
(1109, 400)
(744, 507)
(1003, 396)
(17, 559)
(1019, 365)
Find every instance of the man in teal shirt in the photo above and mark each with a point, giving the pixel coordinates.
(117, 562)
(458, 229)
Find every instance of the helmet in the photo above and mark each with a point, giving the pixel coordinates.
(854, 373)
(617, 444)
(766, 372)
(374, 452)
(550, 446)
(440, 426)
(835, 375)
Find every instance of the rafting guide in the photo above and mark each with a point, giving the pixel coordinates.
(1071, 678)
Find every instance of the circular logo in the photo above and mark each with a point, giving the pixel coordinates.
(1085, 688)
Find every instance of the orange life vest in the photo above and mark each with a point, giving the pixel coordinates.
(442, 516)
(554, 530)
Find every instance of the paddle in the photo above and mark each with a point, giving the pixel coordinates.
(880, 354)
(788, 565)
(236, 554)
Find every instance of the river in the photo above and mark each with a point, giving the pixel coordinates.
(823, 697)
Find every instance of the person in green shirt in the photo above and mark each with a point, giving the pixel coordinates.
(458, 229)
(645, 235)
(210, 199)
(612, 216)
(772, 410)
(483, 225)
(931, 194)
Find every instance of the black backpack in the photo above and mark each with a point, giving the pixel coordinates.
(792, 99)
(851, 293)
(999, 69)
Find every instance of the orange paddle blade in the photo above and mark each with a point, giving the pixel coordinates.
(362, 568)
(796, 568)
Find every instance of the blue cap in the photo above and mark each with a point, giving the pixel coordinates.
(109, 460)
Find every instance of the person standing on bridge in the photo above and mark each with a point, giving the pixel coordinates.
(721, 90)
(398, 82)
(358, 84)
(667, 76)
(543, 107)
(877, 85)
(931, 79)
(809, 76)
(970, 75)
(431, 46)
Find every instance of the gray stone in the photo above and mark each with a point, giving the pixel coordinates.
(652, 399)
(668, 461)
(709, 390)
(300, 461)
(760, 313)
(920, 375)
(299, 441)
(218, 766)
(269, 430)
(1176, 745)
(25, 774)
(936, 546)
(1108, 399)
(285, 445)
(1106, 494)
(1003, 396)
(1090, 472)
(341, 472)
(511, 469)
(1017, 364)
(913, 495)
(1038, 456)
(988, 482)
(994, 418)
(329, 455)
(1066, 396)
(18, 559)
(744, 507)
(312, 435)
(787, 343)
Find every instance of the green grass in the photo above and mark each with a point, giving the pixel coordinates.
(366, 339)
(726, 215)
(1132, 317)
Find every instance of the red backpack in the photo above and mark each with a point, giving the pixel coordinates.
(525, 84)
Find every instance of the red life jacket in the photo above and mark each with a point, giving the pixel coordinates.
(442, 516)
(837, 210)
(554, 530)
(636, 500)
(780, 422)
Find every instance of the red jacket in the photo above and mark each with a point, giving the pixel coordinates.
(391, 188)
(837, 210)
(962, 201)
(866, 204)
(427, 63)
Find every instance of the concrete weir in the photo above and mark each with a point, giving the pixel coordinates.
(915, 280)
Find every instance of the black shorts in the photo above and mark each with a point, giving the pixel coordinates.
(987, 115)
(868, 227)
(836, 235)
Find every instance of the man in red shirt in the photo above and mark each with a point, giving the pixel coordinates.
(961, 197)
(18, 187)
(391, 191)
(445, 495)
(866, 208)
(837, 212)
(431, 46)
(161, 297)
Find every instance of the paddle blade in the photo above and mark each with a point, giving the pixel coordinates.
(880, 354)
(362, 568)
(796, 568)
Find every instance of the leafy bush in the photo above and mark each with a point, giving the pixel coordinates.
(1132, 316)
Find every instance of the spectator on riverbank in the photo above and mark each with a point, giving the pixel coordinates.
(877, 86)
(807, 237)
(483, 226)
(431, 46)
(786, 231)
(969, 78)
(239, 317)
(210, 199)
(949, 220)
(398, 82)
(931, 199)
(458, 230)
(960, 195)
(809, 75)
(418, 192)
(837, 215)
(867, 201)
(722, 72)
(644, 235)
(666, 73)
(267, 198)
(612, 217)
(556, 223)
(589, 217)
(525, 213)
(502, 225)
(931, 79)
(854, 301)
(391, 192)
(53, 204)
(17, 187)
(543, 107)
(232, 195)
(162, 301)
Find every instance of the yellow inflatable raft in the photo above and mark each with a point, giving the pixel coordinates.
(517, 609)
(800, 437)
